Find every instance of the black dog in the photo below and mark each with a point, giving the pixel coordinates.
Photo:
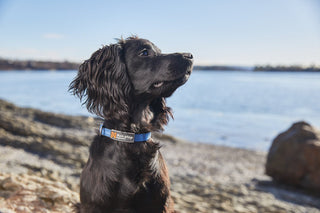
(126, 83)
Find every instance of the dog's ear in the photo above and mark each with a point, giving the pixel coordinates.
(161, 113)
(104, 83)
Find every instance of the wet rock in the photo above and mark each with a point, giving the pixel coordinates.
(294, 157)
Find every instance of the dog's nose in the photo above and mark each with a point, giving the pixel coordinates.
(187, 55)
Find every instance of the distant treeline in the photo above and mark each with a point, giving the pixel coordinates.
(287, 68)
(6, 64)
(225, 68)
(36, 65)
(266, 68)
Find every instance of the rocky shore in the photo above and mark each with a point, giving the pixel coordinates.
(42, 155)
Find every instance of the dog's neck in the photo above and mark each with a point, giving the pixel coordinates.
(139, 120)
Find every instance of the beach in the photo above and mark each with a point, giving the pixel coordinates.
(42, 154)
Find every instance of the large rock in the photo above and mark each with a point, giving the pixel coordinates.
(294, 157)
(28, 193)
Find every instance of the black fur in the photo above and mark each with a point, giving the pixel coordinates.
(126, 83)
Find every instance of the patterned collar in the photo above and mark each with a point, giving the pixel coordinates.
(127, 137)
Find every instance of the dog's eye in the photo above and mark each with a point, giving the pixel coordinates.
(144, 53)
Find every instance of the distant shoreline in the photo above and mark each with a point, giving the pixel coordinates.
(286, 69)
(9, 65)
(266, 68)
(222, 68)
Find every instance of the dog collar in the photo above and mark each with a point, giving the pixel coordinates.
(128, 137)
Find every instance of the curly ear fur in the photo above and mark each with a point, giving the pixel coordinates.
(104, 83)
(161, 113)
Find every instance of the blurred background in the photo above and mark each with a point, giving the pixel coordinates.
(250, 80)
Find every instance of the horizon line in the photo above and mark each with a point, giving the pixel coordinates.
(206, 64)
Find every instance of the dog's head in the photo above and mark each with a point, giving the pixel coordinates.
(120, 76)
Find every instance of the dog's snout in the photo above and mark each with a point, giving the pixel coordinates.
(187, 55)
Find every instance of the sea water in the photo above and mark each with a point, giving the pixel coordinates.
(232, 108)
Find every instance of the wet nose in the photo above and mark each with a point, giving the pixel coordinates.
(187, 55)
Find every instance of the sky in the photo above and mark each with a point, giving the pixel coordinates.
(216, 32)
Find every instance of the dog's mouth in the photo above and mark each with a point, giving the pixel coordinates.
(158, 84)
(178, 81)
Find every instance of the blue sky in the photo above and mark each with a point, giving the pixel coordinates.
(235, 32)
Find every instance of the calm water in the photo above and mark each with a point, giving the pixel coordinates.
(240, 109)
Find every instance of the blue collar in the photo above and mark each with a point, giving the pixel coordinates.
(124, 136)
